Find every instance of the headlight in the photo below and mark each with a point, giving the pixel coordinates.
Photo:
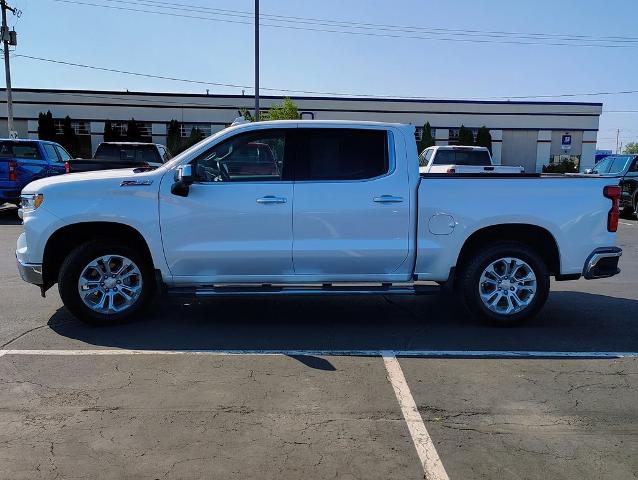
(31, 201)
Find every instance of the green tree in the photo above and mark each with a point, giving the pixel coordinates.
(46, 127)
(631, 148)
(484, 138)
(196, 136)
(244, 112)
(70, 140)
(133, 133)
(288, 110)
(466, 137)
(174, 137)
(426, 139)
(110, 135)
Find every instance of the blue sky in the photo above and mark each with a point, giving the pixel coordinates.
(218, 51)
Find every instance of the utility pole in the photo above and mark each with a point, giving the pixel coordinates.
(617, 139)
(6, 41)
(256, 59)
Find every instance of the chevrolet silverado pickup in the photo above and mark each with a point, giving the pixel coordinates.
(113, 155)
(313, 208)
(461, 159)
(22, 161)
(624, 167)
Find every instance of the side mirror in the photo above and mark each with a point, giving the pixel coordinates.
(184, 178)
(588, 171)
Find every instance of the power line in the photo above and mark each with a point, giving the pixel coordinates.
(375, 26)
(313, 92)
(349, 32)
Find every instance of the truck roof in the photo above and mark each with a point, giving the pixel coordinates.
(458, 147)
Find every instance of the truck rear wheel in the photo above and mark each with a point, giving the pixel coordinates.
(105, 282)
(505, 283)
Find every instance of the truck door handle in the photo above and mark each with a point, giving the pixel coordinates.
(268, 199)
(388, 199)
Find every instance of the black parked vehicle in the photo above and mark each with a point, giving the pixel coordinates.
(626, 167)
(111, 155)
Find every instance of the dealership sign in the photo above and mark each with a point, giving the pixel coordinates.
(566, 142)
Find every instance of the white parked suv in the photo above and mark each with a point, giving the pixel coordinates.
(312, 207)
(461, 159)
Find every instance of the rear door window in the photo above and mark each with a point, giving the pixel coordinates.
(50, 152)
(341, 154)
(62, 153)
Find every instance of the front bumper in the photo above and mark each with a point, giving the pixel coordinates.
(30, 272)
(602, 263)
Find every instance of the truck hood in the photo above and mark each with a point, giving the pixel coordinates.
(108, 176)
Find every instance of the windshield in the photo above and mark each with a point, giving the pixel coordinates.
(612, 165)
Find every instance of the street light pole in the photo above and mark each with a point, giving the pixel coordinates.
(256, 59)
(7, 67)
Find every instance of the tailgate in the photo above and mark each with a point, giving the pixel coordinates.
(4, 168)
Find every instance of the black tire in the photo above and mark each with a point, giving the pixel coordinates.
(470, 279)
(75, 263)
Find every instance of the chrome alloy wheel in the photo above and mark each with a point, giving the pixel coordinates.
(507, 285)
(110, 284)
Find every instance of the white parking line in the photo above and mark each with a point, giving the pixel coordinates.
(623, 223)
(430, 460)
(335, 353)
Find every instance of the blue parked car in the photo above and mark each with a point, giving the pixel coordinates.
(22, 161)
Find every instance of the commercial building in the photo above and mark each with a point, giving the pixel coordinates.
(532, 134)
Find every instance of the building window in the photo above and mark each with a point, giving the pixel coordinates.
(187, 128)
(418, 133)
(80, 127)
(120, 127)
(454, 135)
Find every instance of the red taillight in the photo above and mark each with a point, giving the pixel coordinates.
(13, 171)
(612, 192)
(67, 167)
(451, 170)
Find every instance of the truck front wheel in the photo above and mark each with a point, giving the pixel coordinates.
(505, 283)
(105, 282)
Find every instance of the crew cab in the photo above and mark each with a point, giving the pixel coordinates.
(461, 159)
(342, 211)
(626, 168)
(22, 161)
(111, 155)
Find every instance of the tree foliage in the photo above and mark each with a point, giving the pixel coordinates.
(631, 148)
(466, 137)
(111, 135)
(70, 140)
(46, 127)
(426, 139)
(484, 138)
(174, 138)
(288, 110)
(564, 166)
(133, 133)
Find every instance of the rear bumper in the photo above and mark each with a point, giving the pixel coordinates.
(602, 263)
(30, 272)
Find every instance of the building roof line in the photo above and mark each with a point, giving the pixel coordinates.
(279, 97)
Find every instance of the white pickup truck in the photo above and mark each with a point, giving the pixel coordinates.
(312, 207)
(461, 159)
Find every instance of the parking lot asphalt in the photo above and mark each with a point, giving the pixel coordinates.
(304, 414)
